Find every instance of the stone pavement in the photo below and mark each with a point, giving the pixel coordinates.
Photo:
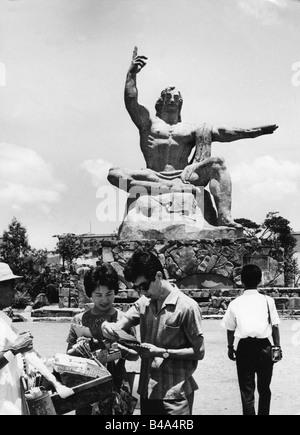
(218, 392)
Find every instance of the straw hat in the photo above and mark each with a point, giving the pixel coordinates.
(6, 273)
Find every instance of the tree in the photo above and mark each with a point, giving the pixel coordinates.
(69, 247)
(15, 245)
(251, 228)
(295, 271)
(278, 229)
(276, 225)
(27, 262)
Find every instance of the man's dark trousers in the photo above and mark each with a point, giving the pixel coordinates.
(253, 357)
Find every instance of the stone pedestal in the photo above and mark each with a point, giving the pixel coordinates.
(172, 216)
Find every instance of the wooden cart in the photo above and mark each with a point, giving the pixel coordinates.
(85, 394)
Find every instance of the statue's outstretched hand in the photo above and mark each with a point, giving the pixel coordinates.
(138, 62)
(268, 129)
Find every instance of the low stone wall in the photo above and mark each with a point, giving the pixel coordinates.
(207, 270)
(197, 264)
(287, 300)
(211, 302)
(215, 302)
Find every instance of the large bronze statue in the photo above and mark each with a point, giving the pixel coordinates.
(167, 142)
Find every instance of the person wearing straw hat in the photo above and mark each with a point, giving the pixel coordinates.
(10, 348)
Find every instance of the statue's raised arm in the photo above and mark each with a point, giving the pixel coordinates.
(138, 113)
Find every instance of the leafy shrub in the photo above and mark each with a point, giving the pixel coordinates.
(22, 300)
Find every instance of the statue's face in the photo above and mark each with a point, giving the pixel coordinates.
(171, 100)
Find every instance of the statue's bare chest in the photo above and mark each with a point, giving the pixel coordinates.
(178, 134)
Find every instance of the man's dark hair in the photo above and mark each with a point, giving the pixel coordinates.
(251, 275)
(143, 263)
(159, 103)
(101, 275)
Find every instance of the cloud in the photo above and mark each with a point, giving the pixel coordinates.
(266, 11)
(280, 3)
(98, 170)
(27, 180)
(268, 176)
(265, 185)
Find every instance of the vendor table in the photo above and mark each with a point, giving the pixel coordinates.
(85, 393)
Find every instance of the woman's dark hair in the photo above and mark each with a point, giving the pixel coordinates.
(101, 275)
(251, 275)
(143, 263)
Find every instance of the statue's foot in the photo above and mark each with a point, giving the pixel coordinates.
(227, 221)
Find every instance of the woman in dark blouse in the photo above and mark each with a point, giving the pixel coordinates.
(101, 285)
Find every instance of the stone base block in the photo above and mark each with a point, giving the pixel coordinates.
(160, 231)
(171, 216)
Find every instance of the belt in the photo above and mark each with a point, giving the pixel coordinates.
(254, 339)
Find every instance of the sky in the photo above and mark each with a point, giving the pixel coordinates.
(63, 122)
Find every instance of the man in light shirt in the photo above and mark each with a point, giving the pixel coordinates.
(252, 320)
(12, 345)
(171, 336)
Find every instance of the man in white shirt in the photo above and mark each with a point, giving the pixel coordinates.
(12, 345)
(252, 320)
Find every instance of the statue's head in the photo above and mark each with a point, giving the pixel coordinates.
(169, 97)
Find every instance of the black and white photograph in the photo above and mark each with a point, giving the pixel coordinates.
(149, 217)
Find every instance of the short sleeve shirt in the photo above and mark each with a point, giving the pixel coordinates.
(176, 326)
(10, 393)
(93, 322)
(248, 316)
